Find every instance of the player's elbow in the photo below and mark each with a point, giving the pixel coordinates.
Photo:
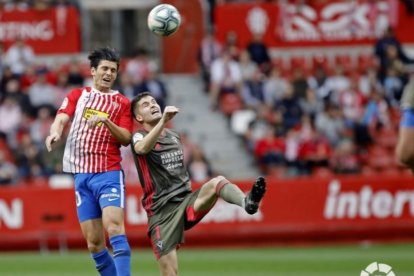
(141, 149)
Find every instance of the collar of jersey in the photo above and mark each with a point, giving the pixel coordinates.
(113, 92)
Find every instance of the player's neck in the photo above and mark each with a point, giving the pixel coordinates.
(102, 89)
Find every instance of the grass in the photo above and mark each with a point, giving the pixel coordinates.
(298, 261)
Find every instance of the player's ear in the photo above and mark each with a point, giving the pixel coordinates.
(139, 118)
(93, 71)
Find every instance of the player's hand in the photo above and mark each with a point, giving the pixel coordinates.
(169, 113)
(52, 138)
(94, 120)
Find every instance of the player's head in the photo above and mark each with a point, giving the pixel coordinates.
(104, 67)
(145, 109)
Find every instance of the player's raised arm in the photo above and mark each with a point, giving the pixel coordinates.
(56, 129)
(143, 145)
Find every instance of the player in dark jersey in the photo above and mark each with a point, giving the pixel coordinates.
(171, 205)
(405, 144)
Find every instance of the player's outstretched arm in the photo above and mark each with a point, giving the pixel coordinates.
(148, 142)
(56, 130)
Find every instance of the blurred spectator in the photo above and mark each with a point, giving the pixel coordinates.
(299, 83)
(290, 108)
(292, 148)
(369, 82)
(376, 112)
(11, 115)
(337, 83)
(62, 87)
(28, 158)
(315, 152)
(39, 128)
(139, 66)
(352, 102)
(153, 84)
(13, 90)
(8, 171)
(28, 77)
(7, 76)
(393, 86)
(231, 45)
(253, 91)
(18, 56)
(274, 87)
(75, 76)
(270, 151)
(198, 166)
(225, 78)
(311, 105)
(381, 46)
(258, 127)
(126, 86)
(344, 159)
(330, 123)
(247, 66)
(318, 82)
(209, 50)
(258, 52)
(41, 92)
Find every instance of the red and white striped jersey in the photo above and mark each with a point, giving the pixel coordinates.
(94, 150)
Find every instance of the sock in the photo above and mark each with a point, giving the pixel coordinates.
(104, 263)
(122, 255)
(231, 193)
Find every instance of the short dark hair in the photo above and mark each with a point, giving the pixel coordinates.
(135, 101)
(104, 53)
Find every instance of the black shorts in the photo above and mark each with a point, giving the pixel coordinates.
(168, 225)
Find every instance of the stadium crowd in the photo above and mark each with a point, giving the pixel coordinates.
(310, 115)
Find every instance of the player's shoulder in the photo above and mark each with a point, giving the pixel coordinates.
(138, 135)
(172, 132)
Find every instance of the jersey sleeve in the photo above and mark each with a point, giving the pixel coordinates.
(125, 120)
(69, 103)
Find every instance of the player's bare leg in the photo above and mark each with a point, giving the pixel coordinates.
(231, 193)
(113, 221)
(93, 232)
(169, 264)
(405, 146)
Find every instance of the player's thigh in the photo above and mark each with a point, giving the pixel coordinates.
(94, 234)
(405, 145)
(169, 264)
(87, 206)
(207, 196)
(113, 220)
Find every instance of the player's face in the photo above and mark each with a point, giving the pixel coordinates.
(104, 76)
(148, 110)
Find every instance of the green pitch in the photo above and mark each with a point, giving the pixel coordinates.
(336, 260)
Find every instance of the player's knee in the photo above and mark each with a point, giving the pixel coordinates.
(114, 229)
(95, 244)
(216, 184)
(168, 269)
(405, 156)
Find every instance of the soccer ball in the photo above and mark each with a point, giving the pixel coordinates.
(164, 20)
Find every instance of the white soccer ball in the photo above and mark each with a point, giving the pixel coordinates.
(164, 20)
